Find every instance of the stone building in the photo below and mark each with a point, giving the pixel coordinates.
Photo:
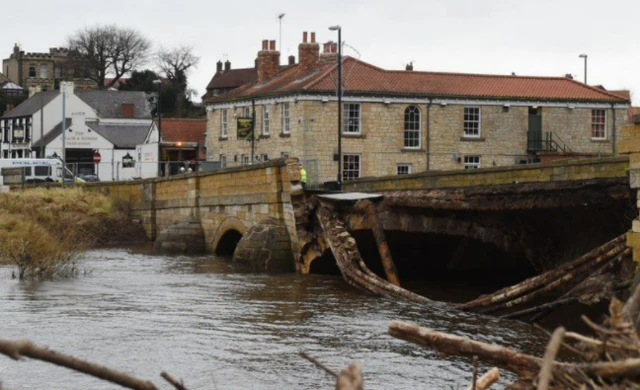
(45, 70)
(400, 122)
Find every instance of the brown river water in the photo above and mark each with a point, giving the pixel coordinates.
(217, 328)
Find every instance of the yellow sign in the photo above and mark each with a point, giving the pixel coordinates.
(245, 128)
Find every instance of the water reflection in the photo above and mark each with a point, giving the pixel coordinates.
(199, 319)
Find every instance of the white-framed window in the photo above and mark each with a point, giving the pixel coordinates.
(412, 127)
(350, 166)
(403, 169)
(44, 72)
(245, 159)
(265, 120)
(224, 124)
(223, 161)
(598, 124)
(286, 123)
(246, 112)
(471, 162)
(352, 118)
(471, 124)
(264, 157)
(284, 155)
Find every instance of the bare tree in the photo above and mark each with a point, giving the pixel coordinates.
(109, 50)
(175, 64)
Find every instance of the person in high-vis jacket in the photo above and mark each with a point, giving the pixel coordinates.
(303, 177)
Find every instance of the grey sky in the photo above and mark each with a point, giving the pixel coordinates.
(542, 38)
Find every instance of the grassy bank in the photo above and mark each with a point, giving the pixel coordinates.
(42, 231)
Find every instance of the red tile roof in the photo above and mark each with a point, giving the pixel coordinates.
(633, 111)
(363, 78)
(623, 93)
(185, 130)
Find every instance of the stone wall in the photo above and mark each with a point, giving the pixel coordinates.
(563, 170)
(503, 136)
(630, 145)
(227, 199)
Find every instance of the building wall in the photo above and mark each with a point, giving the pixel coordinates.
(502, 140)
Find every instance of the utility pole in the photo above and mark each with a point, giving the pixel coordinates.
(64, 131)
(339, 29)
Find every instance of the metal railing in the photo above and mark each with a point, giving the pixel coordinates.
(545, 143)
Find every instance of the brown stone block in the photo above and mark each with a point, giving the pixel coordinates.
(631, 145)
(633, 241)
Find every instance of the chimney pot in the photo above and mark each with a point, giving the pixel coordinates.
(219, 66)
(313, 37)
(292, 60)
(265, 44)
(227, 66)
(304, 37)
(272, 45)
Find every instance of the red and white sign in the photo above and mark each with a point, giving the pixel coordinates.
(97, 158)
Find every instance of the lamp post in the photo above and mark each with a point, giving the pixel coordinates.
(159, 112)
(280, 16)
(585, 66)
(339, 29)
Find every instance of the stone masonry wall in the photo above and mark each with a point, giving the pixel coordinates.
(503, 136)
(563, 170)
(248, 195)
(630, 145)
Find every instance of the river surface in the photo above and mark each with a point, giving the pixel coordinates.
(216, 328)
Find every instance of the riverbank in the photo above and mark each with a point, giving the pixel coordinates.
(42, 231)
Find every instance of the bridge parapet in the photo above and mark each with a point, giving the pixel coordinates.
(564, 170)
(630, 145)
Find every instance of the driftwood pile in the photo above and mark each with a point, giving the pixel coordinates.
(608, 360)
(585, 279)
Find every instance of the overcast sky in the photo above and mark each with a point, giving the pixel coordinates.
(543, 37)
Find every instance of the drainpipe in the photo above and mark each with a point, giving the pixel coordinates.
(613, 131)
(428, 134)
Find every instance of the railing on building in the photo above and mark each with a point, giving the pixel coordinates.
(547, 142)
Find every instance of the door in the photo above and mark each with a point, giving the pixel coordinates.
(534, 135)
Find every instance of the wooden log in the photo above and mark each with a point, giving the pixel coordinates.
(541, 308)
(488, 379)
(17, 349)
(546, 373)
(350, 378)
(383, 248)
(540, 280)
(631, 310)
(525, 366)
(565, 279)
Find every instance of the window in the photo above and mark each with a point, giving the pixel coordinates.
(44, 72)
(472, 122)
(471, 162)
(285, 119)
(350, 166)
(403, 169)
(351, 118)
(598, 124)
(246, 112)
(265, 120)
(412, 127)
(32, 71)
(128, 161)
(27, 171)
(42, 171)
(284, 155)
(245, 159)
(223, 124)
(223, 161)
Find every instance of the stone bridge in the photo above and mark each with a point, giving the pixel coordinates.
(515, 220)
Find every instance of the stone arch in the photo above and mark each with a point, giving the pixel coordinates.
(231, 228)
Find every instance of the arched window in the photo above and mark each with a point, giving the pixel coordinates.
(412, 127)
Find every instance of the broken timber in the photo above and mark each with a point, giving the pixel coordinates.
(351, 264)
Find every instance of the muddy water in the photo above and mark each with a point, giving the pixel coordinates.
(216, 328)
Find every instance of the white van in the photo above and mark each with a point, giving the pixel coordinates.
(38, 170)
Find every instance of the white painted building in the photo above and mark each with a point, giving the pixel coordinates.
(109, 123)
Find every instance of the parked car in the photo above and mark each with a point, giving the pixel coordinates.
(89, 177)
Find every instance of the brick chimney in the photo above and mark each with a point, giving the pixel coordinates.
(218, 66)
(329, 51)
(268, 61)
(227, 66)
(308, 52)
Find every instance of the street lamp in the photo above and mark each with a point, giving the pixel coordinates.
(585, 66)
(280, 16)
(159, 112)
(339, 29)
